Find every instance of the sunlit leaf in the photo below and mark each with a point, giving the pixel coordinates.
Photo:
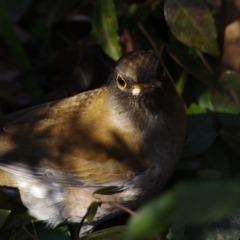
(195, 109)
(105, 27)
(192, 23)
(91, 212)
(205, 100)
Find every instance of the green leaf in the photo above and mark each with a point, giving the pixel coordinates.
(152, 218)
(189, 203)
(191, 23)
(205, 100)
(3, 216)
(105, 27)
(91, 212)
(200, 134)
(194, 109)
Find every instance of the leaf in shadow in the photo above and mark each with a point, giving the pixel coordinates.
(200, 134)
(192, 23)
(189, 203)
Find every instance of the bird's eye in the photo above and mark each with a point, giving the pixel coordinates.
(121, 82)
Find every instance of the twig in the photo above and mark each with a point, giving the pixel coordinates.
(122, 207)
(29, 234)
(147, 35)
(204, 61)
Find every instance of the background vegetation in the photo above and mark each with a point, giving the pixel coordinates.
(54, 49)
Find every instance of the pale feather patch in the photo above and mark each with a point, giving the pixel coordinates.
(136, 91)
(39, 192)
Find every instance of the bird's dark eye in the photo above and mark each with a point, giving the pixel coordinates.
(121, 82)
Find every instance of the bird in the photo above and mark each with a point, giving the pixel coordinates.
(128, 135)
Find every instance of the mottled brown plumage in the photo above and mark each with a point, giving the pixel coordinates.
(128, 134)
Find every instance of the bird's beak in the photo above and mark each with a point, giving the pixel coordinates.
(141, 87)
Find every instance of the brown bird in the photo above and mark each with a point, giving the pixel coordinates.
(127, 135)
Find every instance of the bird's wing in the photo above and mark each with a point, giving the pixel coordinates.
(46, 142)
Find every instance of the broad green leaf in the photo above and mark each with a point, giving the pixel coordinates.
(189, 203)
(205, 100)
(91, 212)
(191, 23)
(105, 27)
(194, 109)
(152, 219)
